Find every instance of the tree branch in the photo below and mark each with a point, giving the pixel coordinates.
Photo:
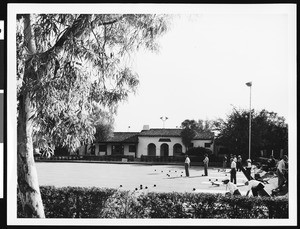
(76, 30)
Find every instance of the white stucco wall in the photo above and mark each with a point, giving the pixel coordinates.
(109, 149)
(201, 143)
(142, 148)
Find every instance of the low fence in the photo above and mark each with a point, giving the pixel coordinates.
(129, 158)
(195, 160)
(87, 158)
(162, 158)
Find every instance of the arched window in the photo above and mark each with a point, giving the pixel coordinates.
(164, 150)
(151, 149)
(177, 149)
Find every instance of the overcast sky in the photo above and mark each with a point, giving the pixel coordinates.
(203, 65)
(205, 59)
(200, 73)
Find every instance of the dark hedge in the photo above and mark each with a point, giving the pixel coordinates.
(76, 202)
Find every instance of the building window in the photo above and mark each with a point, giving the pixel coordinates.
(164, 140)
(207, 145)
(102, 148)
(132, 148)
(117, 150)
(177, 149)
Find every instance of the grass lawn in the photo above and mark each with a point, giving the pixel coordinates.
(157, 178)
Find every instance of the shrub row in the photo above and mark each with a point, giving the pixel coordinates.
(71, 157)
(75, 202)
(88, 157)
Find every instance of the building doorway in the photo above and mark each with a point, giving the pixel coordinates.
(151, 149)
(164, 150)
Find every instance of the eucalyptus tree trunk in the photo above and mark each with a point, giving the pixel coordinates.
(28, 186)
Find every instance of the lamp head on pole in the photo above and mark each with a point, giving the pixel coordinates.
(163, 119)
(249, 84)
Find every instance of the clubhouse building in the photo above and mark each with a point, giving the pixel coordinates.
(149, 142)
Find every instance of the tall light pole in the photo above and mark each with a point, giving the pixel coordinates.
(249, 84)
(164, 119)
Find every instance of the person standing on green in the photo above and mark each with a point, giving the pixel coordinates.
(233, 170)
(281, 171)
(239, 163)
(205, 161)
(187, 165)
(248, 168)
(224, 163)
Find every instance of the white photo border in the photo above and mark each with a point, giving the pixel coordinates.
(14, 9)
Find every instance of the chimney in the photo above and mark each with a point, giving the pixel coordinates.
(145, 127)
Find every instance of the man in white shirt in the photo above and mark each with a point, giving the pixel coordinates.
(187, 165)
(205, 161)
(249, 167)
(233, 170)
(232, 188)
(256, 187)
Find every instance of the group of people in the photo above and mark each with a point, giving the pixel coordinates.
(187, 165)
(236, 165)
(254, 185)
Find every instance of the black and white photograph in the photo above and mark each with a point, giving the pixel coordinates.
(151, 114)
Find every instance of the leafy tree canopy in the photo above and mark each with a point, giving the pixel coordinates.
(73, 65)
(268, 131)
(192, 127)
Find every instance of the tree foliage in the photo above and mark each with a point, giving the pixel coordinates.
(190, 128)
(104, 126)
(79, 60)
(188, 132)
(67, 64)
(268, 132)
(187, 136)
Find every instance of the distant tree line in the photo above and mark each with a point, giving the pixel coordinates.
(269, 131)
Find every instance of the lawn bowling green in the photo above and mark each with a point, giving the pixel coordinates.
(134, 177)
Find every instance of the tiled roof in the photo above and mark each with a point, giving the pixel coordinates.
(124, 137)
(173, 133)
(132, 137)
(161, 133)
